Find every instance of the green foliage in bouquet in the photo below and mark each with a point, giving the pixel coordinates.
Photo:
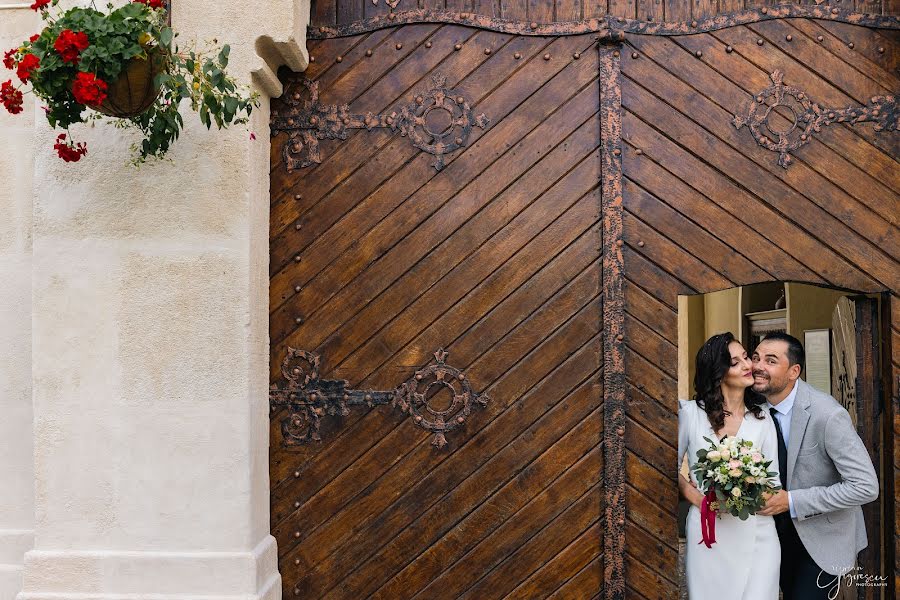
(81, 52)
(738, 473)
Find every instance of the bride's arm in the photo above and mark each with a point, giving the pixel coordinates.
(689, 492)
(685, 487)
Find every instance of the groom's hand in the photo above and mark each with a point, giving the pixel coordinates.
(776, 505)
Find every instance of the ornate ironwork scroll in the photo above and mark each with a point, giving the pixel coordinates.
(606, 27)
(438, 121)
(309, 398)
(805, 117)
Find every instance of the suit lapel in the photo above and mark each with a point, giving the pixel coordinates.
(799, 420)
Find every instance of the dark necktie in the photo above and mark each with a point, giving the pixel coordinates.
(782, 452)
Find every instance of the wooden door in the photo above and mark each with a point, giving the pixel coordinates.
(859, 389)
(708, 206)
(379, 259)
(529, 186)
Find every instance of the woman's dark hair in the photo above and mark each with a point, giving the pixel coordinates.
(713, 362)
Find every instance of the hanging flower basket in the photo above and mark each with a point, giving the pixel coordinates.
(123, 63)
(135, 89)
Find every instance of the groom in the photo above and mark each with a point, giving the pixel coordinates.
(826, 474)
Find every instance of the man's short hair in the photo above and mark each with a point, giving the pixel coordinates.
(795, 353)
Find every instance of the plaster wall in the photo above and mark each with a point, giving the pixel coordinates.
(149, 343)
(16, 473)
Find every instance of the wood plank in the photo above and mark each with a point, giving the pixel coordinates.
(349, 11)
(653, 313)
(650, 10)
(341, 526)
(584, 583)
(322, 289)
(622, 8)
(474, 508)
(691, 236)
(650, 379)
(514, 10)
(651, 448)
(800, 76)
(728, 222)
(693, 273)
(650, 584)
(472, 252)
(512, 535)
(540, 11)
(592, 9)
(650, 344)
(862, 215)
(661, 524)
(567, 10)
(539, 549)
(710, 180)
(478, 339)
(655, 555)
(491, 514)
(558, 570)
(653, 280)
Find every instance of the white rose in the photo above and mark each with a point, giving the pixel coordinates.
(726, 454)
(736, 492)
(714, 455)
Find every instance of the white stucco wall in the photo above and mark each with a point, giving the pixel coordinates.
(139, 325)
(16, 474)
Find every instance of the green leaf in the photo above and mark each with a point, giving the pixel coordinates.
(165, 37)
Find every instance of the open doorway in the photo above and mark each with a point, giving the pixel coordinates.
(841, 332)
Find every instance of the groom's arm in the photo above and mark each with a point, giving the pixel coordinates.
(858, 484)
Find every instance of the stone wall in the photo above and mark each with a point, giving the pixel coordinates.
(137, 314)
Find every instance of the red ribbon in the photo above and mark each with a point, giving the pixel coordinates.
(708, 519)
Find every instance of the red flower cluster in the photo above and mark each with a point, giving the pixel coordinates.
(152, 3)
(9, 60)
(29, 63)
(10, 97)
(88, 90)
(69, 151)
(39, 4)
(34, 38)
(70, 44)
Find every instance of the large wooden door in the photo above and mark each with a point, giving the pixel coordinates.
(379, 259)
(707, 206)
(529, 186)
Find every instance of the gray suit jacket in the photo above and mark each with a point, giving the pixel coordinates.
(829, 476)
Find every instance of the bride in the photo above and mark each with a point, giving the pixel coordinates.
(744, 562)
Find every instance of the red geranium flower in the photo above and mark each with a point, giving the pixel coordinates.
(70, 44)
(10, 97)
(88, 90)
(27, 65)
(69, 151)
(8, 61)
(39, 4)
(34, 38)
(152, 3)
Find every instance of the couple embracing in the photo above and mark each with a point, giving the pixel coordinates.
(807, 526)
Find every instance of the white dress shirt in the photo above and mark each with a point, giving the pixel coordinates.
(783, 414)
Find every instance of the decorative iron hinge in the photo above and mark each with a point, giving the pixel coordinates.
(806, 117)
(309, 398)
(438, 121)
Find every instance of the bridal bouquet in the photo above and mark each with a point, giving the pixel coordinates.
(735, 478)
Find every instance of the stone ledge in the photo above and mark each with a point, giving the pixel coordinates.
(80, 575)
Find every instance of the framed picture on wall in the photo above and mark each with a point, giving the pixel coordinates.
(817, 343)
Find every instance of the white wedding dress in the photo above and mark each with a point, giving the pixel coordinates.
(743, 564)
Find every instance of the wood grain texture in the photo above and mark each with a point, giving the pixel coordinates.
(508, 257)
(494, 258)
(330, 13)
(708, 209)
